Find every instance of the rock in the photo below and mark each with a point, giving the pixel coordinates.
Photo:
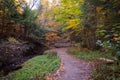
(59, 45)
(107, 61)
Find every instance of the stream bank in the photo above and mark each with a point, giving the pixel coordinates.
(14, 52)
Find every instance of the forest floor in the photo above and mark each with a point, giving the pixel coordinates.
(73, 68)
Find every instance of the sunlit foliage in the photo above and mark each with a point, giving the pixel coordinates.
(51, 38)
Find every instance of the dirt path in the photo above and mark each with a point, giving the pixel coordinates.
(74, 69)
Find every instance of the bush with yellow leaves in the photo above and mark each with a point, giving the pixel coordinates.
(51, 38)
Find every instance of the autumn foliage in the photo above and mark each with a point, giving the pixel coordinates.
(51, 38)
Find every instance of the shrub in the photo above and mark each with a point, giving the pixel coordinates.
(106, 72)
(51, 38)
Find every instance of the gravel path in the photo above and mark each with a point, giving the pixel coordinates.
(74, 69)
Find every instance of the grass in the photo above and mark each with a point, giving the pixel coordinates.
(89, 55)
(102, 71)
(36, 67)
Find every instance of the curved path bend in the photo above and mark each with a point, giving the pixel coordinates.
(74, 69)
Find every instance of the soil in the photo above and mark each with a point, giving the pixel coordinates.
(73, 68)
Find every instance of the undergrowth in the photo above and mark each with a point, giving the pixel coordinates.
(106, 72)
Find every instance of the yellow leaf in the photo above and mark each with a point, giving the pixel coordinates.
(98, 9)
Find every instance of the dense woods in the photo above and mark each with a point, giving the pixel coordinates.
(88, 24)
(90, 21)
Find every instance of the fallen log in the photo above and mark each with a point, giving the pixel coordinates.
(105, 60)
